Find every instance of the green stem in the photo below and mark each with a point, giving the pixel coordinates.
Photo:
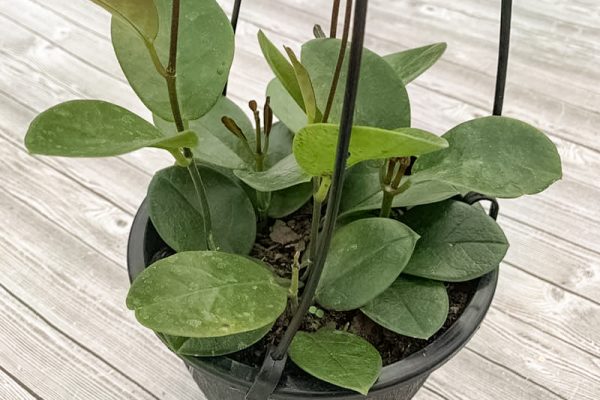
(155, 58)
(203, 199)
(295, 285)
(171, 79)
(340, 61)
(314, 227)
(314, 230)
(391, 174)
(172, 88)
(263, 199)
(386, 205)
(180, 158)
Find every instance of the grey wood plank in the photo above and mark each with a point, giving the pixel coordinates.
(11, 389)
(565, 264)
(49, 363)
(540, 358)
(54, 196)
(428, 394)
(546, 307)
(87, 300)
(483, 380)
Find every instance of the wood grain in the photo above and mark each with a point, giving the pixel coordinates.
(12, 389)
(47, 363)
(50, 256)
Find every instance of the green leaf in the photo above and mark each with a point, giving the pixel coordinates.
(366, 257)
(281, 67)
(496, 156)
(286, 173)
(216, 144)
(409, 64)
(140, 14)
(177, 215)
(458, 242)
(92, 128)
(382, 100)
(315, 145)
(285, 202)
(281, 140)
(205, 54)
(216, 346)
(362, 190)
(206, 294)
(337, 357)
(285, 108)
(306, 87)
(411, 307)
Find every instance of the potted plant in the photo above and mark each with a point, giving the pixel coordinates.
(231, 242)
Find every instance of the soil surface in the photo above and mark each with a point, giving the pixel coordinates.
(277, 246)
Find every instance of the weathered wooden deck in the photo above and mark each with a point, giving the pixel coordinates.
(65, 332)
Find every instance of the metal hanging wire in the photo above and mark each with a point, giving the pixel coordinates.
(267, 379)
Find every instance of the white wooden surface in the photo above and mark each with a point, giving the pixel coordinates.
(65, 332)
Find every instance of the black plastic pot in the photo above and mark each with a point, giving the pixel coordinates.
(221, 378)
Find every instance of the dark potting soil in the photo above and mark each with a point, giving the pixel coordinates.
(277, 245)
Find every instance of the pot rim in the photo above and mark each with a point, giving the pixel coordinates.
(418, 364)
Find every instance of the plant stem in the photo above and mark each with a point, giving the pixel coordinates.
(203, 198)
(392, 173)
(314, 227)
(171, 78)
(295, 282)
(171, 71)
(335, 13)
(262, 198)
(340, 61)
(155, 59)
(386, 205)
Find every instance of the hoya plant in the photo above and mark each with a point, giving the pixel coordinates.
(402, 234)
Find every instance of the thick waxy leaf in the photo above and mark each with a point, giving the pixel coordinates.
(281, 67)
(216, 144)
(337, 357)
(382, 99)
(205, 54)
(215, 346)
(286, 173)
(362, 190)
(411, 63)
(286, 201)
(285, 108)
(91, 128)
(458, 242)
(140, 14)
(306, 87)
(497, 156)
(177, 214)
(206, 294)
(315, 145)
(366, 257)
(412, 307)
